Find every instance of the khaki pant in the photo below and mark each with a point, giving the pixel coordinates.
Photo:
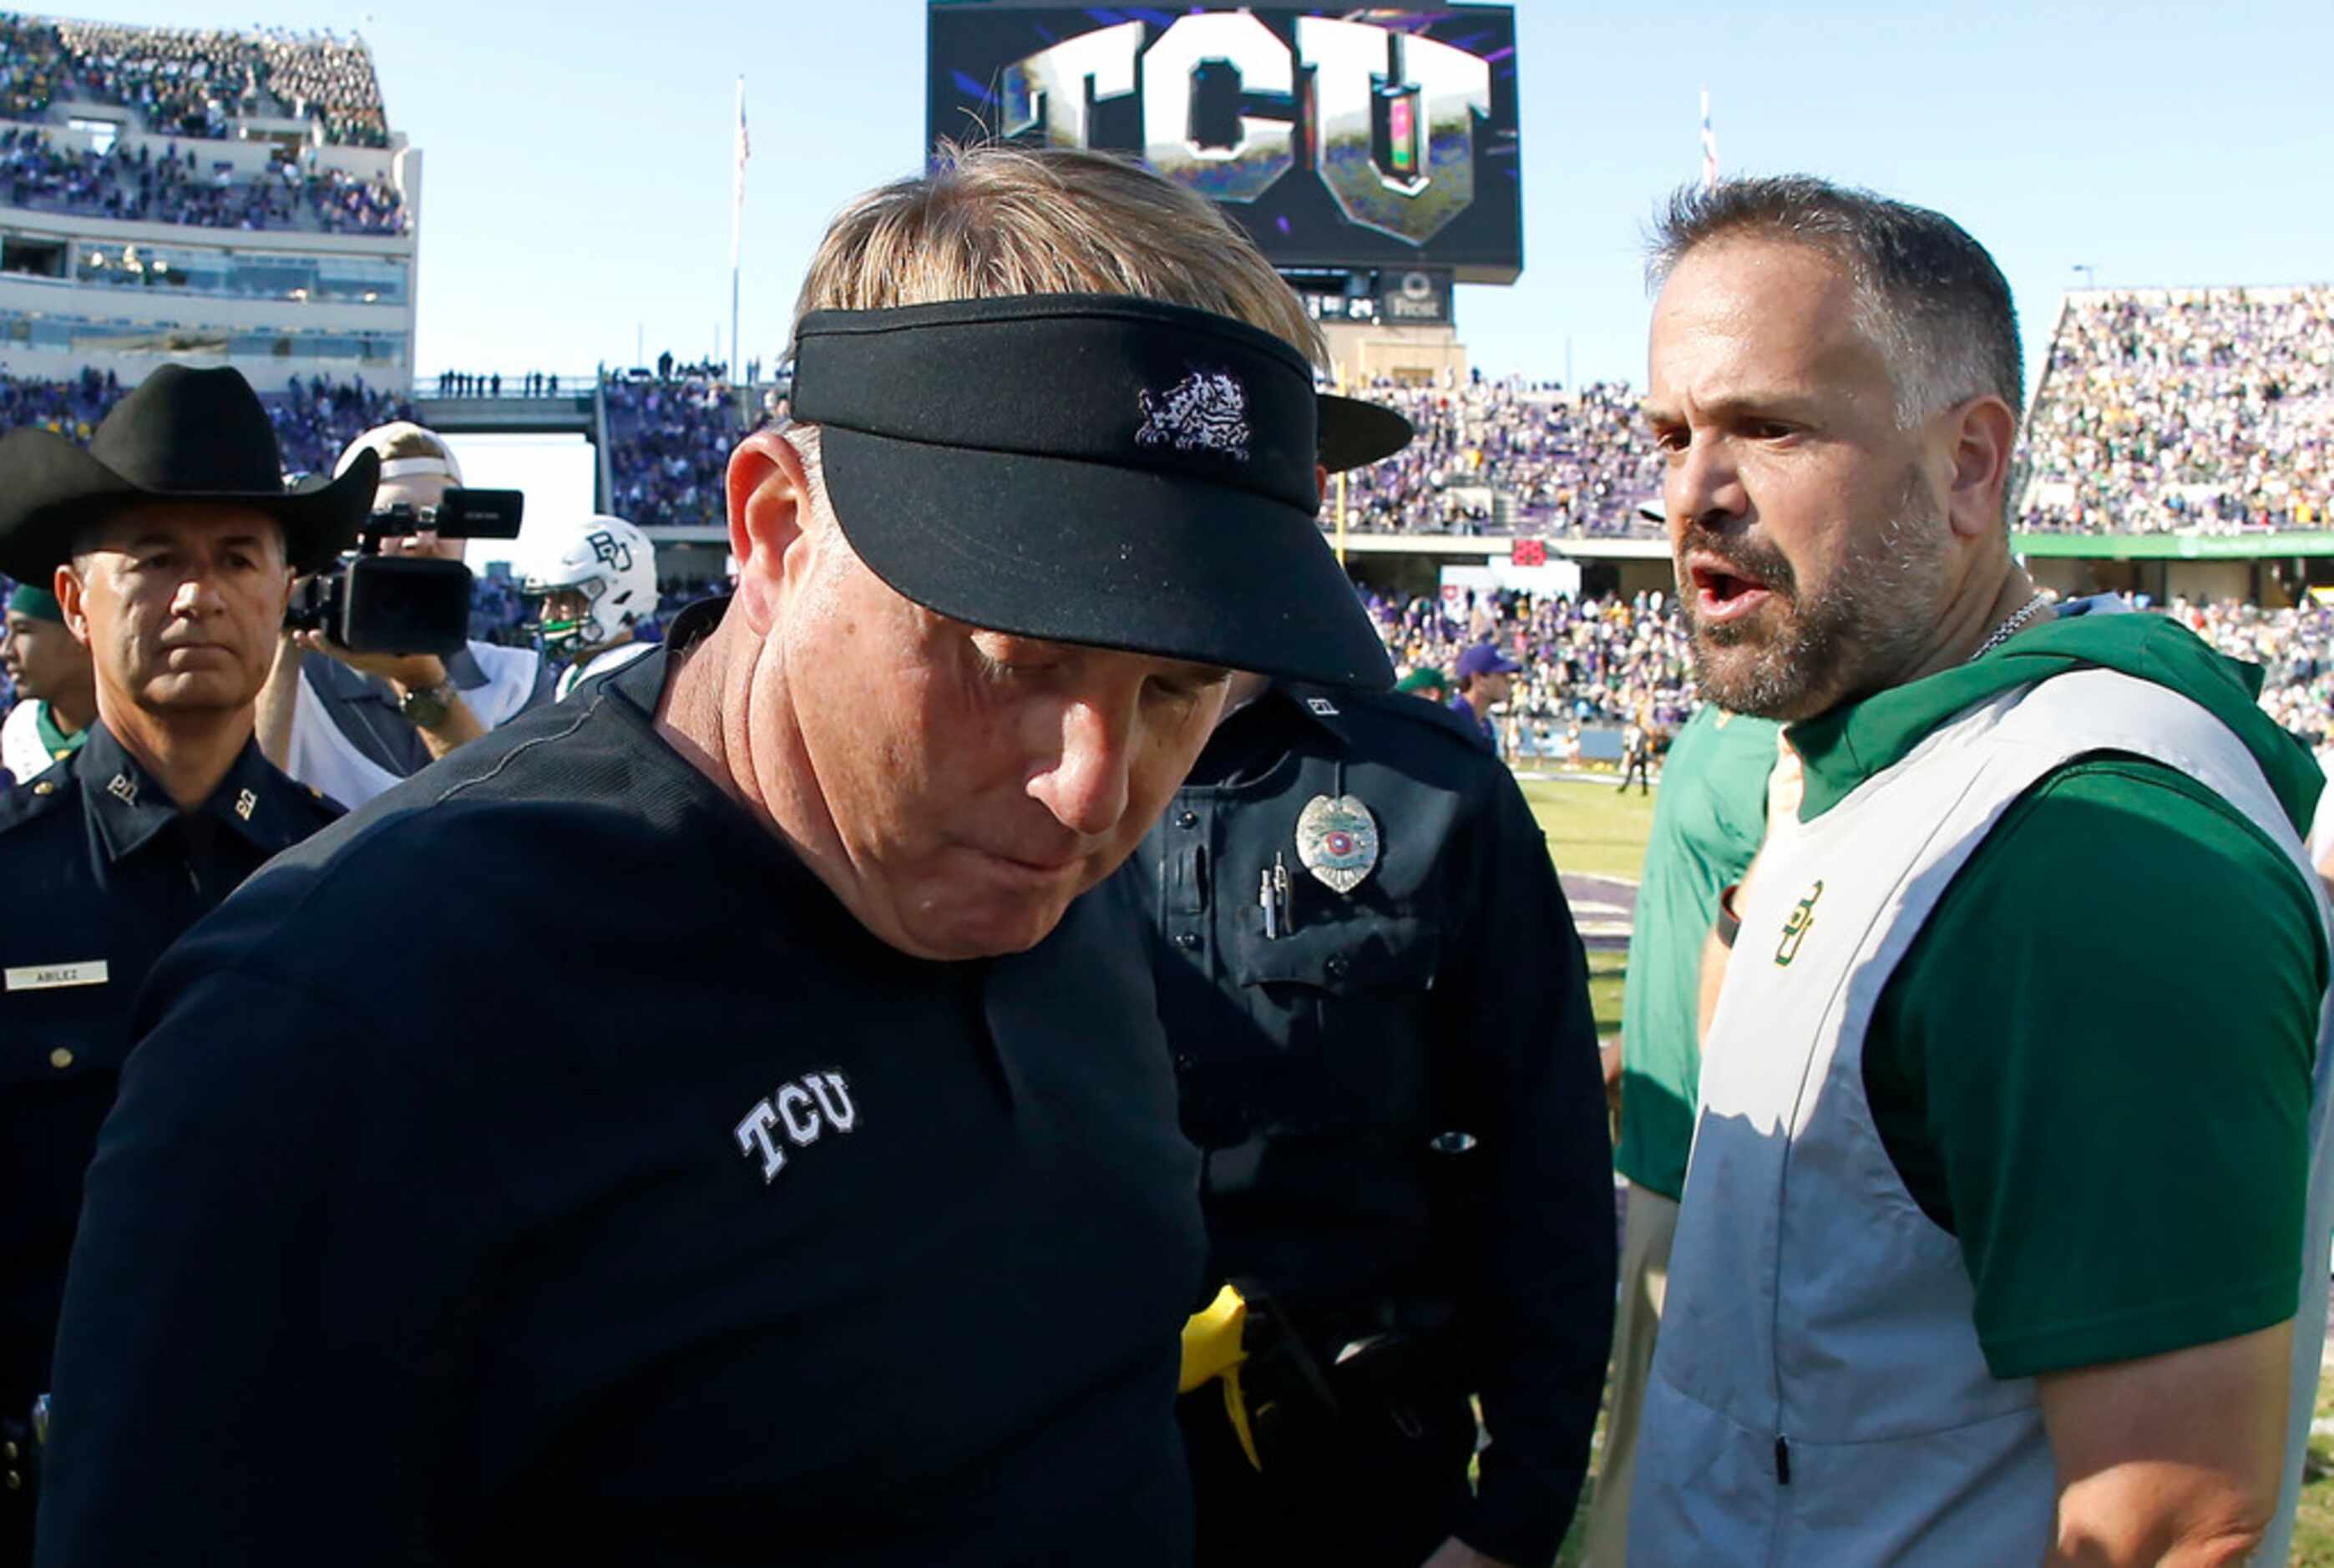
(1647, 1229)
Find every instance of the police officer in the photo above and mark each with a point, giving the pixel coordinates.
(837, 1214)
(1379, 1014)
(170, 543)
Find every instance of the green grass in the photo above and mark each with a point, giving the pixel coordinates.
(1606, 968)
(1592, 831)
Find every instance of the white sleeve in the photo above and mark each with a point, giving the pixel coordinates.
(322, 758)
(21, 751)
(510, 681)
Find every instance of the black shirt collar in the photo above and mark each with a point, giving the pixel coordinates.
(695, 621)
(253, 801)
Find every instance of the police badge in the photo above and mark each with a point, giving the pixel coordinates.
(1337, 841)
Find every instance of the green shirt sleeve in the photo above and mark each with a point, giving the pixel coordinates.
(2093, 1067)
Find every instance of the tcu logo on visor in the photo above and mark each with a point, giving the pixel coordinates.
(1205, 411)
(799, 1114)
(607, 547)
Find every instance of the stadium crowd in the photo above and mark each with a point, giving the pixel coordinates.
(1613, 660)
(2208, 409)
(185, 82)
(173, 189)
(1570, 464)
(668, 443)
(2294, 648)
(1603, 660)
(314, 419)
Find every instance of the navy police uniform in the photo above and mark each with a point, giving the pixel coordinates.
(729, 1236)
(1388, 1060)
(101, 872)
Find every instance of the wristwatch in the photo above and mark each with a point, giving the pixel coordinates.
(428, 705)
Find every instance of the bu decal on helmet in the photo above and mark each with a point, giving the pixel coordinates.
(605, 546)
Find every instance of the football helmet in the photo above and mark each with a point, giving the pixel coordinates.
(607, 560)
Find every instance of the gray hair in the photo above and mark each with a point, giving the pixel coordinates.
(1929, 295)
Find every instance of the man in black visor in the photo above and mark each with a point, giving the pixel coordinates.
(840, 1215)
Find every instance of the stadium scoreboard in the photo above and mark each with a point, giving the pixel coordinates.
(1338, 137)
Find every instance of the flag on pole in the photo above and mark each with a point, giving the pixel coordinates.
(1709, 145)
(737, 180)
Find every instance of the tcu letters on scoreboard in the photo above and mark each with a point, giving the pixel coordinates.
(1434, 93)
(1332, 140)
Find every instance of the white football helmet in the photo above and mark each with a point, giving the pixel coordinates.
(612, 565)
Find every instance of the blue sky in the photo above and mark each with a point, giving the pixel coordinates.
(577, 155)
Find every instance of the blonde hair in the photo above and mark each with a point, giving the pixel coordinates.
(996, 220)
(401, 438)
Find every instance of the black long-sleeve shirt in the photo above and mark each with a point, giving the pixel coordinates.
(544, 1167)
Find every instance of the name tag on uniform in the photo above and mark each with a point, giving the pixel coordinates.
(51, 976)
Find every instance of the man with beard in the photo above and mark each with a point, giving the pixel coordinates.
(838, 1214)
(2039, 954)
(169, 545)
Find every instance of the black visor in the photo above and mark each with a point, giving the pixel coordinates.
(1088, 468)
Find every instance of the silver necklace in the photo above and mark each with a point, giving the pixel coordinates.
(2003, 632)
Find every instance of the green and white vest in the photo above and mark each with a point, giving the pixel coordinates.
(1818, 1395)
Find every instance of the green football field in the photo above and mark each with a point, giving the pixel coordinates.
(1592, 831)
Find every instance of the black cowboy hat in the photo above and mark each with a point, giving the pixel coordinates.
(181, 435)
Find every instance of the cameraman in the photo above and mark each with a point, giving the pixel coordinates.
(353, 724)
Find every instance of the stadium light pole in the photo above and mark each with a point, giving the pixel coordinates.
(2090, 275)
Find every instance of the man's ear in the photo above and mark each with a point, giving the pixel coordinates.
(1985, 431)
(67, 585)
(769, 499)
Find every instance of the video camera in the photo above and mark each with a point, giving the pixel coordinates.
(376, 603)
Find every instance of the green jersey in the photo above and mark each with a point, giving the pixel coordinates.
(1707, 824)
(2093, 1066)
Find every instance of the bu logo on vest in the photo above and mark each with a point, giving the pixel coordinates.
(805, 1111)
(1795, 928)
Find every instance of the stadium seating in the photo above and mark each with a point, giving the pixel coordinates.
(668, 442)
(176, 188)
(1605, 660)
(2197, 409)
(189, 83)
(2185, 409)
(1599, 660)
(1568, 465)
(314, 420)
